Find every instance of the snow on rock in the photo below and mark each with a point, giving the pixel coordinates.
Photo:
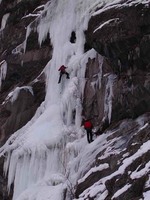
(120, 3)
(106, 144)
(105, 23)
(121, 191)
(94, 169)
(12, 96)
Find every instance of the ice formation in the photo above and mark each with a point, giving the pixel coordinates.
(3, 72)
(12, 96)
(38, 154)
(41, 159)
(4, 21)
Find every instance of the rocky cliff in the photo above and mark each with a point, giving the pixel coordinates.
(116, 94)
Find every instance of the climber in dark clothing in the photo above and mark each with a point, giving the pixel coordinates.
(88, 127)
(62, 70)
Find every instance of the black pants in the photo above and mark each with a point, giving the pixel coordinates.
(61, 73)
(89, 135)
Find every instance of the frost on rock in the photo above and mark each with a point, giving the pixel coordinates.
(3, 72)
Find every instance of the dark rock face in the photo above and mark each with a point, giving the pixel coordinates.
(94, 93)
(124, 39)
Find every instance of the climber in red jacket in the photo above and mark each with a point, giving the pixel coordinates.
(88, 127)
(62, 70)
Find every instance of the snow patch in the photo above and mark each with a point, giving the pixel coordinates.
(121, 191)
(106, 23)
(94, 169)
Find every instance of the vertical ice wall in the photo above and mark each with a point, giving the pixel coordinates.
(36, 154)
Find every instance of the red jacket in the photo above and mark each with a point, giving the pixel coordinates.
(88, 124)
(62, 68)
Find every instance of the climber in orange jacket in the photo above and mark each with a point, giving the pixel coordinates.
(62, 70)
(88, 127)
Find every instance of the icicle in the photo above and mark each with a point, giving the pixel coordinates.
(3, 72)
(12, 169)
(4, 21)
(100, 61)
(6, 163)
(27, 35)
(109, 97)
